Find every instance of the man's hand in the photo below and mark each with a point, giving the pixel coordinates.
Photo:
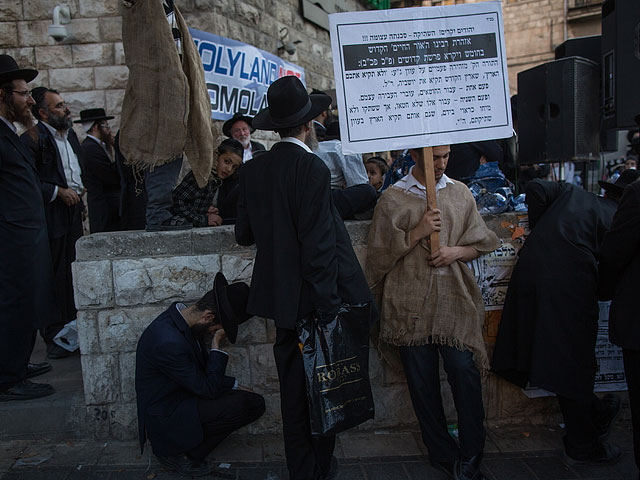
(447, 255)
(68, 196)
(214, 220)
(428, 224)
(213, 210)
(218, 336)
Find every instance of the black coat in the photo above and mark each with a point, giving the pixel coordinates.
(620, 270)
(304, 260)
(257, 146)
(101, 178)
(26, 276)
(549, 323)
(173, 370)
(43, 149)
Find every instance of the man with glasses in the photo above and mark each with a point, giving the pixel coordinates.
(26, 279)
(100, 172)
(56, 152)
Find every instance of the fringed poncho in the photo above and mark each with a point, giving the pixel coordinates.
(421, 304)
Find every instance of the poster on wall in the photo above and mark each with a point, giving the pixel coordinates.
(238, 75)
(418, 77)
(493, 272)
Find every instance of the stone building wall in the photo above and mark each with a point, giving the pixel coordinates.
(124, 280)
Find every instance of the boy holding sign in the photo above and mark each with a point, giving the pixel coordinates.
(431, 305)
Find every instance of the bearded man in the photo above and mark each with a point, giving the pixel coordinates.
(26, 279)
(239, 127)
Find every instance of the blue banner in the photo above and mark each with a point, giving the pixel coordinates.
(238, 75)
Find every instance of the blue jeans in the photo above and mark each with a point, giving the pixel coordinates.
(422, 369)
(159, 183)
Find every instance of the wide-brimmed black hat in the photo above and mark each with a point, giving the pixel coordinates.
(616, 188)
(232, 304)
(226, 127)
(93, 115)
(9, 70)
(289, 105)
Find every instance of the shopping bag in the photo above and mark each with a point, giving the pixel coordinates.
(336, 364)
(67, 337)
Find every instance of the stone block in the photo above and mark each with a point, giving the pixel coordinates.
(358, 231)
(90, 54)
(237, 268)
(238, 31)
(43, 9)
(58, 56)
(119, 330)
(111, 29)
(8, 34)
(163, 279)
(206, 20)
(128, 376)
(118, 54)
(111, 77)
(11, 10)
(123, 421)
(100, 378)
(247, 13)
(34, 33)
(393, 408)
(282, 12)
(114, 101)
(239, 364)
(216, 240)
(88, 336)
(84, 30)
(264, 375)
(92, 284)
(135, 243)
(25, 57)
(72, 78)
(78, 101)
(375, 367)
(97, 417)
(271, 421)
(98, 8)
(252, 331)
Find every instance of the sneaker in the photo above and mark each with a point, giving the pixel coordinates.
(468, 468)
(604, 453)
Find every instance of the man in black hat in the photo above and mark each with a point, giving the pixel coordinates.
(26, 277)
(56, 151)
(100, 172)
(304, 264)
(186, 403)
(239, 127)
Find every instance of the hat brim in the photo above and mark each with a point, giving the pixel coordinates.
(226, 126)
(94, 119)
(264, 121)
(26, 74)
(611, 187)
(228, 317)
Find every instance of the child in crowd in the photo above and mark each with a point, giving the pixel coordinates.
(215, 203)
(376, 170)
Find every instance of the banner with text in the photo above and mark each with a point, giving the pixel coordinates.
(238, 75)
(418, 77)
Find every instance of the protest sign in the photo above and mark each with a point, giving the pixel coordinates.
(419, 77)
(238, 75)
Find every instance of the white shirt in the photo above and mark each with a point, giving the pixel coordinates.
(247, 154)
(69, 159)
(410, 185)
(346, 170)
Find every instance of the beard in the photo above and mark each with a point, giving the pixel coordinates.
(14, 114)
(245, 142)
(200, 331)
(312, 140)
(60, 122)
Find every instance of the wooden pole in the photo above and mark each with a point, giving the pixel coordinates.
(430, 184)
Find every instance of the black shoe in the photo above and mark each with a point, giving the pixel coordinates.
(468, 468)
(35, 369)
(605, 453)
(446, 467)
(56, 352)
(26, 390)
(171, 223)
(186, 466)
(612, 406)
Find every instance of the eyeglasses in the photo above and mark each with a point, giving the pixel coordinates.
(24, 93)
(104, 125)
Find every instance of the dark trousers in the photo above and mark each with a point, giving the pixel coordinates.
(63, 254)
(632, 372)
(583, 420)
(308, 457)
(223, 415)
(159, 183)
(352, 200)
(17, 339)
(422, 369)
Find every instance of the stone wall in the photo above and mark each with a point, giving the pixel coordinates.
(124, 280)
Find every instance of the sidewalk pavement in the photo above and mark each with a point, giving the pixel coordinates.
(511, 453)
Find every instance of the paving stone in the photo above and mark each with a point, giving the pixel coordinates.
(372, 445)
(238, 448)
(49, 474)
(512, 469)
(386, 471)
(422, 470)
(523, 438)
(549, 468)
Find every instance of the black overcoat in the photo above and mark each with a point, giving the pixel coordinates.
(620, 270)
(549, 324)
(101, 178)
(173, 370)
(304, 262)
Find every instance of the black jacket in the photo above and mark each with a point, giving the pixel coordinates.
(173, 370)
(304, 262)
(620, 270)
(42, 146)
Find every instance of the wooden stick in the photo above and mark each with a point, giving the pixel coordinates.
(430, 184)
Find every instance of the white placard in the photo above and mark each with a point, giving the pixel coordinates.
(417, 77)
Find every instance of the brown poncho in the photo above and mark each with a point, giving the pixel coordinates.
(166, 109)
(422, 304)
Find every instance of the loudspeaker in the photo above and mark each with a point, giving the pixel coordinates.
(620, 63)
(585, 47)
(559, 111)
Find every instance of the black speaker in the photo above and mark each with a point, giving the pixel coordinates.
(559, 111)
(620, 63)
(586, 47)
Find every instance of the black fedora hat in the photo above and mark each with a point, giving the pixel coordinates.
(616, 188)
(232, 304)
(93, 115)
(226, 126)
(9, 70)
(289, 105)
